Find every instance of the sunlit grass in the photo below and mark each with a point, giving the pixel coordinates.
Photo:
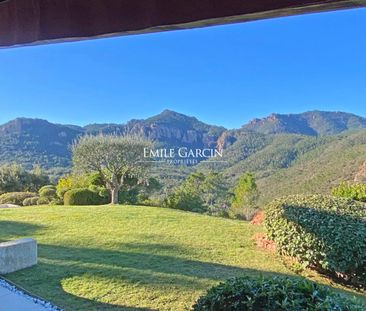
(132, 258)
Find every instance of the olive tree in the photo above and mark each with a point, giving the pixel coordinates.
(114, 157)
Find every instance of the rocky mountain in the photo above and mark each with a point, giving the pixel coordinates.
(169, 128)
(313, 123)
(295, 153)
(34, 141)
(360, 175)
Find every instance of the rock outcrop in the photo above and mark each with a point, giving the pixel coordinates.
(361, 174)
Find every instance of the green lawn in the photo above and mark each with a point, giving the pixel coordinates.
(132, 258)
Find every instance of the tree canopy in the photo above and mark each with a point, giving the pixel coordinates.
(115, 158)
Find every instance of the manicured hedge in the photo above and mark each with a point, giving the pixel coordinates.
(322, 232)
(15, 197)
(274, 294)
(48, 192)
(355, 191)
(30, 201)
(43, 201)
(83, 196)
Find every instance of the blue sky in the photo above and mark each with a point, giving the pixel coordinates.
(224, 75)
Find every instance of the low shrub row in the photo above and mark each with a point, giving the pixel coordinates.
(16, 198)
(274, 294)
(322, 232)
(46, 195)
(30, 201)
(84, 196)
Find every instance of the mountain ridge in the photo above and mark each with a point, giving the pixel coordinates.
(288, 154)
(313, 123)
(30, 141)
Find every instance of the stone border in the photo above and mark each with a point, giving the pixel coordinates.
(17, 255)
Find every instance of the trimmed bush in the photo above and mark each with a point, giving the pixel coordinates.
(16, 198)
(34, 200)
(43, 201)
(27, 202)
(30, 201)
(103, 192)
(353, 191)
(274, 294)
(48, 191)
(322, 232)
(100, 190)
(83, 196)
(48, 187)
(56, 201)
(47, 194)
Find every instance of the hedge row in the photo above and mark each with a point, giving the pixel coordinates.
(274, 294)
(16, 198)
(30, 201)
(84, 196)
(322, 232)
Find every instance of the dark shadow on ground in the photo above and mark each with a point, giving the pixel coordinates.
(15, 229)
(145, 265)
(140, 265)
(141, 261)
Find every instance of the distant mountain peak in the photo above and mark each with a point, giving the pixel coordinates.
(312, 123)
(169, 112)
(170, 115)
(28, 141)
(24, 120)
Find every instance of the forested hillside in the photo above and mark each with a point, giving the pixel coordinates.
(298, 153)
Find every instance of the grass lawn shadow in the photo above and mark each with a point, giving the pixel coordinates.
(74, 275)
(9, 229)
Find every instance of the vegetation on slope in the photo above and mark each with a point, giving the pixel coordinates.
(320, 169)
(314, 123)
(279, 159)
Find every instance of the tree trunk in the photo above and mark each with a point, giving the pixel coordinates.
(114, 195)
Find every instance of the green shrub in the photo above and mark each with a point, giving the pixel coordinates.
(128, 196)
(324, 233)
(103, 192)
(244, 202)
(95, 179)
(56, 201)
(48, 189)
(353, 191)
(14, 178)
(34, 200)
(16, 198)
(64, 184)
(100, 190)
(83, 196)
(43, 201)
(199, 192)
(30, 201)
(27, 202)
(184, 200)
(48, 192)
(150, 202)
(274, 294)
